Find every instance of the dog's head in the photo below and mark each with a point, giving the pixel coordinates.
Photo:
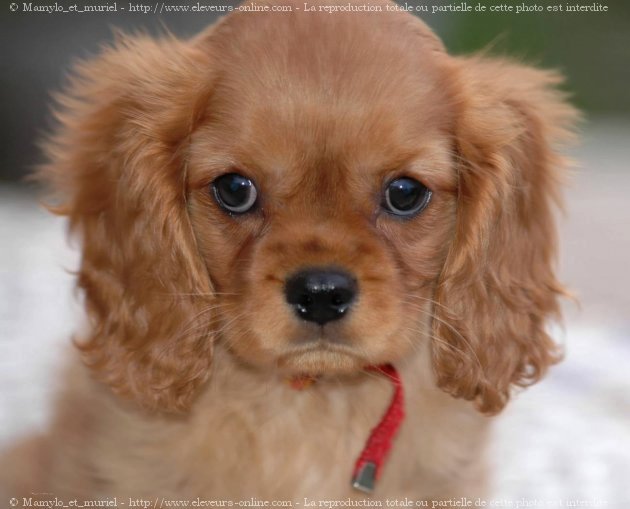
(320, 193)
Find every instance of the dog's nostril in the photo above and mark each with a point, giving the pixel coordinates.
(321, 295)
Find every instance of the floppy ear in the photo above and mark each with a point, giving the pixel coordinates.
(118, 164)
(498, 286)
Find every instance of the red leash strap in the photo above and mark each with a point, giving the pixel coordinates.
(368, 467)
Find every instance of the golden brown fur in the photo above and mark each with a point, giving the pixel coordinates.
(190, 340)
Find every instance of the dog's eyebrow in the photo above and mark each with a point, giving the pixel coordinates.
(434, 166)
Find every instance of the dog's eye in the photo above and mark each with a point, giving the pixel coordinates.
(235, 193)
(405, 196)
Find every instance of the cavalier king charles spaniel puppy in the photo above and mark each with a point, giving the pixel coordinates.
(317, 254)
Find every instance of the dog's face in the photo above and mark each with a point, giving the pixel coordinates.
(319, 194)
(323, 200)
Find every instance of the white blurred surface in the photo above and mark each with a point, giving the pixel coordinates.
(566, 439)
(37, 310)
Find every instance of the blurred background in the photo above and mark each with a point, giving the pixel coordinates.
(564, 440)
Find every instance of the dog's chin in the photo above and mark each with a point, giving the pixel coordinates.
(314, 355)
(321, 360)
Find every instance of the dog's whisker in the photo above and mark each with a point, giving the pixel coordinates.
(211, 294)
(432, 301)
(194, 324)
(225, 326)
(204, 329)
(458, 334)
(207, 309)
(433, 337)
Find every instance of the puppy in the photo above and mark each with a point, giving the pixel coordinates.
(280, 218)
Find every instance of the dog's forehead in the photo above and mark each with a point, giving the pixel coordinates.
(291, 62)
(311, 89)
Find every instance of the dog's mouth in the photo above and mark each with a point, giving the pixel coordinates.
(321, 357)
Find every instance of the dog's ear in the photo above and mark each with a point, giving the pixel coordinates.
(498, 286)
(118, 162)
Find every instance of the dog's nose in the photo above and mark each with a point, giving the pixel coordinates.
(321, 295)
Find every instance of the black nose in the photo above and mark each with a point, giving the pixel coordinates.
(321, 295)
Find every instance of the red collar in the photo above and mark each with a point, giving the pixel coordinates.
(368, 466)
